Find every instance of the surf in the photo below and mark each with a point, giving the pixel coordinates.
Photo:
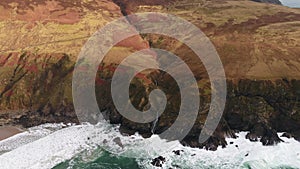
(74, 146)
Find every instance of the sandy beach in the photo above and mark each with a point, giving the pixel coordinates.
(8, 131)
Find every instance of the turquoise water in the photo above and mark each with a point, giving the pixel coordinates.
(93, 147)
(100, 159)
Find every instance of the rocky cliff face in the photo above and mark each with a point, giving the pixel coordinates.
(40, 41)
(262, 82)
(258, 44)
(36, 88)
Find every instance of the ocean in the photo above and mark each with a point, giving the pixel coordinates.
(291, 3)
(87, 146)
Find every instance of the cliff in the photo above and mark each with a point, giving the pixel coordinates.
(40, 42)
(258, 44)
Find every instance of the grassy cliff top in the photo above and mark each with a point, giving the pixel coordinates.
(52, 26)
(254, 40)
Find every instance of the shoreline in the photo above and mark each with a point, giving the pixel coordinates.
(9, 131)
(68, 142)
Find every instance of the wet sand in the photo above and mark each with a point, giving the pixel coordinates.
(6, 132)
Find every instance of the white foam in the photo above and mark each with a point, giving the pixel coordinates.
(46, 152)
(252, 154)
(62, 145)
(67, 142)
(29, 136)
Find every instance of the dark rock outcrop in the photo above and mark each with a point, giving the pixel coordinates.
(264, 134)
(159, 161)
(287, 135)
(269, 1)
(177, 152)
(261, 107)
(39, 88)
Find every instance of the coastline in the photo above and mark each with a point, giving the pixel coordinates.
(9, 131)
(70, 144)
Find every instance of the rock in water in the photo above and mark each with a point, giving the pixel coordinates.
(177, 152)
(159, 161)
(118, 141)
(264, 133)
(269, 1)
(287, 135)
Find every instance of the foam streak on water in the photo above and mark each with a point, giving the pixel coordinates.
(51, 147)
